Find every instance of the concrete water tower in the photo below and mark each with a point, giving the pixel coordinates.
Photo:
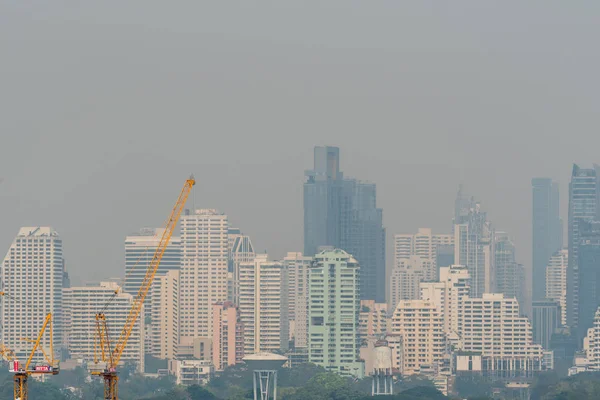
(382, 371)
(265, 366)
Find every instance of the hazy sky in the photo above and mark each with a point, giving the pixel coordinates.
(107, 107)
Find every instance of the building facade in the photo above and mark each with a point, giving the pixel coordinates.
(241, 251)
(191, 372)
(423, 244)
(546, 319)
(448, 295)
(297, 266)
(203, 277)
(163, 323)
(546, 230)
(420, 325)
(492, 327)
(584, 194)
(228, 336)
(139, 250)
(556, 281)
(264, 305)
(474, 247)
(80, 305)
(510, 276)
(588, 274)
(343, 213)
(333, 313)
(406, 277)
(32, 275)
(373, 319)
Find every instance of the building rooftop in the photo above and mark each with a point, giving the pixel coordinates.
(37, 231)
(265, 356)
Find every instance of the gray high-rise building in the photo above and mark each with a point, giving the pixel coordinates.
(342, 213)
(510, 276)
(583, 205)
(589, 274)
(546, 319)
(474, 246)
(546, 232)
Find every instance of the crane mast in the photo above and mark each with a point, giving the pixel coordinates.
(22, 372)
(112, 357)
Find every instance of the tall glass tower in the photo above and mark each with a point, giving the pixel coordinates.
(546, 231)
(342, 213)
(583, 205)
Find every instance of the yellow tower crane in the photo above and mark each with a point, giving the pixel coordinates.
(111, 357)
(22, 372)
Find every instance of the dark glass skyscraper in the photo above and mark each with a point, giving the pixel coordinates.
(546, 231)
(589, 274)
(583, 205)
(343, 213)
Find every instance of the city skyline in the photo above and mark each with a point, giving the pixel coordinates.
(117, 271)
(377, 190)
(405, 114)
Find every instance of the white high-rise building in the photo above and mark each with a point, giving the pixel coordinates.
(421, 326)
(406, 277)
(203, 277)
(592, 345)
(81, 305)
(139, 250)
(492, 326)
(448, 294)
(241, 251)
(556, 281)
(423, 244)
(164, 316)
(297, 266)
(32, 277)
(264, 305)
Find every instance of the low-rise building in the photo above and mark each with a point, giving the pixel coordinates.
(191, 372)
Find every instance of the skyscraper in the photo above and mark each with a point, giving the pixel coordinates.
(420, 324)
(228, 336)
(546, 319)
(32, 276)
(448, 295)
(323, 212)
(424, 244)
(510, 276)
(556, 282)
(139, 250)
(297, 266)
(203, 277)
(406, 278)
(241, 251)
(589, 274)
(333, 313)
(264, 305)
(546, 230)
(584, 194)
(163, 337)
(343, 213)
(474, 247)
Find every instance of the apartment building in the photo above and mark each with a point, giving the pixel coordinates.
(420, 325)
(32, 274)
(264, 305)
(81, 305)
(333, 313)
